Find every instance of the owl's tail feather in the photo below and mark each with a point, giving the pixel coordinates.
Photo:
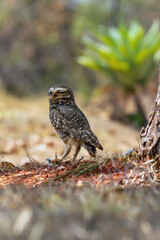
(91, 149)
(100, 146)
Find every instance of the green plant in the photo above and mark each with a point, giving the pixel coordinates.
(128, 56)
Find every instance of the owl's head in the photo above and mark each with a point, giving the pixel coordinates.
(60, 94)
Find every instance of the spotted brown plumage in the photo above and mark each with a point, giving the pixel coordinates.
(70, 122)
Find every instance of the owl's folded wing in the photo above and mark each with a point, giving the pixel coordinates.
(75, 124)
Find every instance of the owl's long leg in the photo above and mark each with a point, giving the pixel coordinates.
(77, 149)
(66, 151)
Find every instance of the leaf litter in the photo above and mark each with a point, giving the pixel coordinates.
(121, 171)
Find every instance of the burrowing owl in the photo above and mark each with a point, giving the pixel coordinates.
(70, 123)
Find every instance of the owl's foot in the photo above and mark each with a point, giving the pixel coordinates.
(57, 160)
(79, 160)
(53, 161)
(61, 159)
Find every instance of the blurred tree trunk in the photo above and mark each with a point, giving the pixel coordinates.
(139, 106)
(114, 18)
(150, 135)
(118, 113)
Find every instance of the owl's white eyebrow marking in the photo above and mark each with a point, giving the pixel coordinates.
(53, 89)
(60, 89)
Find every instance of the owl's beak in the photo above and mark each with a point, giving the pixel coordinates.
(50, 93)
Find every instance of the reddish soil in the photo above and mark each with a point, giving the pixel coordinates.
(117, 171)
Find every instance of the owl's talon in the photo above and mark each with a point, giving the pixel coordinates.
(56, 158)
(57, 161)
(52, 161)
(79, 160)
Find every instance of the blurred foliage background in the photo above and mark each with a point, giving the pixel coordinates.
(127, 56)
(40, 41)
